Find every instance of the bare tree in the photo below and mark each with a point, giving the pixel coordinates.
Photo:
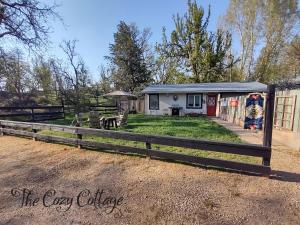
(2, 68)
(75, 75)
(26, 21)
(58, 84)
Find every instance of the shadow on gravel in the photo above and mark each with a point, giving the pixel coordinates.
(285, 176)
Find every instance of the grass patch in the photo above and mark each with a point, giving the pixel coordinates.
(198, 128)
(67, 121)
(193, 127)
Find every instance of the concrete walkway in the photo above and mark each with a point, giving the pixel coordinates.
(283, 139)
(285, 157)
(250, 136)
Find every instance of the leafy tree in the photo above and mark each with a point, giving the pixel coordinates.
(294, 48)
(167, 69)
(270, 23)
(203, 53)
(287, 67)
(167, 72)
(105, 81)
(243, 17)
(26, 21)
(291, 58)
(278, 21)
(25, 84)
(17, 76)
(128, 57)
(234, 74)
(43, 75)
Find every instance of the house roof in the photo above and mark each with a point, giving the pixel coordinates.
(225, 87)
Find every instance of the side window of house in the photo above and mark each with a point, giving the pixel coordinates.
(190, 100)
(194, 101)
(153, 102)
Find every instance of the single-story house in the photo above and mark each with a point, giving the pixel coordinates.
(202, 98)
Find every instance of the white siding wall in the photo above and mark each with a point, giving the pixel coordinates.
(166, 101)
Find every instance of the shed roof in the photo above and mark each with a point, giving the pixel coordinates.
(225, 87)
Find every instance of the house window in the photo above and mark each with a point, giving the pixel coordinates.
(194, 101)
(153, 102)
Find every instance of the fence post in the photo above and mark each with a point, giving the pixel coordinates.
(148, 146)
(79, 137)
(34, 131)
(268, 122)
(63, 108)
(32, 114)
(1, 132)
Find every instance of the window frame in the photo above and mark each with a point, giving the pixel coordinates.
(200, 98)
(157, 100)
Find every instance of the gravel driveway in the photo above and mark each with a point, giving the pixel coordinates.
(59, 184)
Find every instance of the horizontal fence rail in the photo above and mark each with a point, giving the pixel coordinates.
(36, 113)
(104, 109)
(31, 107)
(103, 106)
(14, 128)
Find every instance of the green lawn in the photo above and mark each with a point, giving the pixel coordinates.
(193, 127)
(66, 121)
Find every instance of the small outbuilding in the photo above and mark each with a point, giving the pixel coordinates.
(202, 98)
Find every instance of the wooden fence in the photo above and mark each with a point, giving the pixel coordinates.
(34, 113)
(104, 109)
(30, 130)
(262, 151)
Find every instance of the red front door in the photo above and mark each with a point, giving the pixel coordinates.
(211, 105)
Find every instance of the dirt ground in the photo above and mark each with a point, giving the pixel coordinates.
(137, 190)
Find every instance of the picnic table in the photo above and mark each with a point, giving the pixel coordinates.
(110, 121)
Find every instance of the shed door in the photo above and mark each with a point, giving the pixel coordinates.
(211, 105)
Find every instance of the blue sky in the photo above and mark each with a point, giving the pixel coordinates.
(93, 23)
